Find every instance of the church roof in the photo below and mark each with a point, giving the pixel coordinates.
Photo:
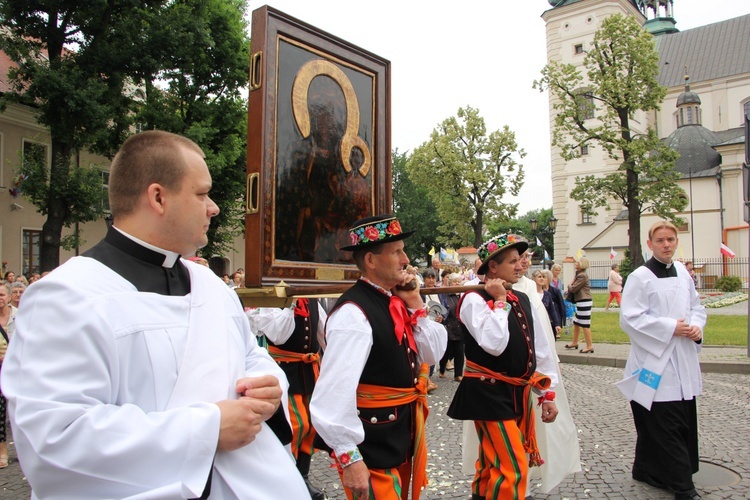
(695, 145)
(713, 51)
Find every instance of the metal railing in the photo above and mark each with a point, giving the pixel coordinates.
(708, 271)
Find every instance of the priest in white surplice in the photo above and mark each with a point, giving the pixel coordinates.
(133, 373)
(662, 313)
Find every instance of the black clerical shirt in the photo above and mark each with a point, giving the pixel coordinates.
(141, 266)
(660, 269)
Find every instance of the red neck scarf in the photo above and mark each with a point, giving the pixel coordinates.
(404, 322)
(301, 308)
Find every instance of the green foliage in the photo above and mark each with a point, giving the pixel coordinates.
(522, 226)
(729, 283)
(205, 67)
(468, 174)
(621, 78)
(92, 69)
(626, 267)
(415, 211)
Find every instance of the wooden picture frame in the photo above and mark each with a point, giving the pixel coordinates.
(318, 150)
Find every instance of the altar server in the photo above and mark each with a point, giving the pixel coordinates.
(662, 313)
(133, 373)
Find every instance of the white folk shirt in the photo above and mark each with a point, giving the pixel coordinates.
(278, 324)
(111, 391)
(349, 339)
(650, 309)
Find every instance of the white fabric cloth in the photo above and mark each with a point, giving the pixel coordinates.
(649, 313)
(334, 401)
(278, 324)
(557, 441)
(111, 391)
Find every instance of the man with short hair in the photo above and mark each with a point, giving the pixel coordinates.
(507, 354)
(133, 372)
(662, 314)
(370, 402)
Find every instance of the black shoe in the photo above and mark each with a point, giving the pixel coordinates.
(692, 495)
(646, 478)
(315, 492)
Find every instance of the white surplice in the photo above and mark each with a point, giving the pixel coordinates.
(557, 441)
(111, 391)
(660, 366)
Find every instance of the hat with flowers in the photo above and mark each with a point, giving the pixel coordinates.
(375, 230)
(492, 247)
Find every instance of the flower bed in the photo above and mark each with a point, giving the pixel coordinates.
(715, 300)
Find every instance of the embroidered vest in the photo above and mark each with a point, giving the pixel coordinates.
(388, 431)
(491, 399)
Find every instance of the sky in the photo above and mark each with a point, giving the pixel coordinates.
(481, 53)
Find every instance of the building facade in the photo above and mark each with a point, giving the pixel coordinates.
(702, 118)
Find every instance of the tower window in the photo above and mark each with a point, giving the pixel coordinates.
(584, 150)
(578, 48)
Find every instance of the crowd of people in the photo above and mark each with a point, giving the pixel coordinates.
(134, 355)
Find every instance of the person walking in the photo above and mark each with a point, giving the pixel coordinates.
(133, 372)
(455, 348)
(662, 314)
(370, 402)
(507, 353)
(580, 290)
(296, 338)
(614, 286)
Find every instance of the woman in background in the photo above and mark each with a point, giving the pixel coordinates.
(614, 285)
(580, 288)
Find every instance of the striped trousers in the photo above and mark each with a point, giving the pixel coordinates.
(302, 429)
(386, 484)
(502, 467)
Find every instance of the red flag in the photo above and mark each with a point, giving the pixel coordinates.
(725, 250)
(612, 253)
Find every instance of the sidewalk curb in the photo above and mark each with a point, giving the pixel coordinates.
(706, 366)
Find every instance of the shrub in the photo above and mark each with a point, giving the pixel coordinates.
(729, 283)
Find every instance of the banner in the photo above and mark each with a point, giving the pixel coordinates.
(612, 253)
(725, 250)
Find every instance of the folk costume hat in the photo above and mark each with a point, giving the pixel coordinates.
(492, 247)
(375, 230)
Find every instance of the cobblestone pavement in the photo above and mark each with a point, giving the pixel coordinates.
(606, 435)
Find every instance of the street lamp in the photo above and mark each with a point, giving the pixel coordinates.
(551, 228)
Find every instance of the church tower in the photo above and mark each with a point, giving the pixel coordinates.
(571, 25)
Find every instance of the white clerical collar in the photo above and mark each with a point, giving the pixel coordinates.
(666, 264)
(169, 257)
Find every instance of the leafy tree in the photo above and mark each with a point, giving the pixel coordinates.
(468, 173)
(203, 65)
(74, 62)
(522, 226)
(415, 211)
(621, 79)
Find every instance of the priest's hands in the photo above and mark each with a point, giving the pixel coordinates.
(683, 329)
(242, 419)
(356, 477)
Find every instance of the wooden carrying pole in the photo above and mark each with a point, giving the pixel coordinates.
(306, 291)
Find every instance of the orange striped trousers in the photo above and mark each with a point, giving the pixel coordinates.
(302, 429)
(502, 467)
(386, 484)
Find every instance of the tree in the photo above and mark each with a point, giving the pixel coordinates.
(415, 211)
(204, 66)
(622, 69)
(467, 174)
(522, 226)
(74, 60)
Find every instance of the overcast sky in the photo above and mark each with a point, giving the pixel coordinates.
(482, 53)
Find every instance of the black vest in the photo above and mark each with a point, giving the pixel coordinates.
(304, 339)
(388, 431)
(491, 399)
